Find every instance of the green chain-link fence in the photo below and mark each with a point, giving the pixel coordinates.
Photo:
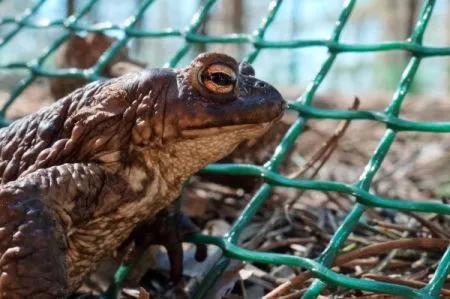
(359, 189)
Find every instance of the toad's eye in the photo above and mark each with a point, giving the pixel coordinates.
(218, 78)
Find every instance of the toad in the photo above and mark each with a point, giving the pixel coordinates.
(79, 175)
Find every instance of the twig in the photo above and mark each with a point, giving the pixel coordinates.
(244, 291)
(373, 261)
(261, 234)
(294, 295)
(393, 226)
(323, 153)
(434, 229)
(286, 242)
(406, 282)
(419, 243)
(328, 147)
(424, 273)
(393, 253)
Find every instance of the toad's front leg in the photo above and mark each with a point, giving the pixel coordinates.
(167, 228)
(35, 213)
(32, 246)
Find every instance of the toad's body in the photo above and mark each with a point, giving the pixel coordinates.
(78, 176)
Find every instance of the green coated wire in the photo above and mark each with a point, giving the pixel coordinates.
(363, 196)
(34, 64)
(234, 251)
(259, 34)
(239, 38)
(434, 286)
(120, 42)
(28, 13)
(393, 122)
(269, 172)
(196, 22)
(329, 254)
(252, 207)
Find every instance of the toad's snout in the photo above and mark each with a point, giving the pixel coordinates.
(259, 102)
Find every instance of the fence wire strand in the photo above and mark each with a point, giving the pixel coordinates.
(269, 172)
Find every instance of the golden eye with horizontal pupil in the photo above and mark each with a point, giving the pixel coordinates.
(218, 78)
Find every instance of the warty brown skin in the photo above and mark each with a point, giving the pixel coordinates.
(79, 175)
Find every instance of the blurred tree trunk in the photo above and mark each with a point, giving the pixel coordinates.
(398, 19)
(412, 15)
(201, 47)
(229, 19)
(70, 7)
(137, 44)
(411, 20)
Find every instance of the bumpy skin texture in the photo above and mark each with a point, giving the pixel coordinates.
(78, 176)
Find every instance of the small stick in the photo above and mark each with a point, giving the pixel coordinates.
(373, 261)
(323, 154)
(287, 242)
(419, 243)
(406, 282)
(393, 226)
(434, 229)
(327, 148)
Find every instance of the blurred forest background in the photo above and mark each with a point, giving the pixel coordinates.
(354, 73)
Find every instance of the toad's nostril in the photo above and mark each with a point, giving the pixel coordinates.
(260, 84)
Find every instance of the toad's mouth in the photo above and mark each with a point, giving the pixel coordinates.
(194, 133)
(203, 132)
